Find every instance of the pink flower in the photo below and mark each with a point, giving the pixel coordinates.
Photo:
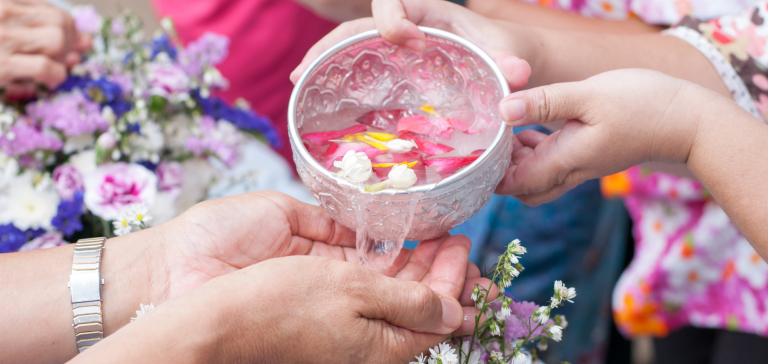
(113, 186)
(48, 240)
(25, 137)
(167, 80)
(106, 141)
(67, 180)
(87, 19)
(170, 176)
(208, 50)
(71, 113)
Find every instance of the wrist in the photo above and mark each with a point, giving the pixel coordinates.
(529, 45)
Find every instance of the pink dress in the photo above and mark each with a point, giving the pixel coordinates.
(268, 38)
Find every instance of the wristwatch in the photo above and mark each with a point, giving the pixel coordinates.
(85, 287)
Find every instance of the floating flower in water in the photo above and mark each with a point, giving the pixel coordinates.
(355, 167)
(426, 146)
(384, 119)
(448, 166)
(325, 137)
(337, 151)
(435, 128)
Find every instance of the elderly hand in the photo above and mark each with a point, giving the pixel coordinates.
(38, 41)
(288, 310)
(398, 21)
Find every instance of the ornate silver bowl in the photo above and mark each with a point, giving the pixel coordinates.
(366, 72)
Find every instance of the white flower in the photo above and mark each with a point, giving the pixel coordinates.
(144, 310)
(496, 355)
(494, 326)
(521, 357)
(356, 167)
(514, 247)
(137, 214)
(561, 321)
(419, 360)
(85, 161)
(445, 353)
(28, 207)
(400, 176)
(77, 143)
(542, 313)
(399, 145)
(563, 293)
(505, 310)
(556, 332)
(122, 226)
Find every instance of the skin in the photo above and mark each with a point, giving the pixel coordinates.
(213, 242)
(338, 10)
(38, 42)
(622, 118)
(533, 56)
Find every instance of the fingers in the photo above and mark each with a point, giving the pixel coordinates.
(447, 274)
(545, 104)
(343, 31)
(312, 222)
(421, 259)
(516, 70)
(38, 68)
(398, 27)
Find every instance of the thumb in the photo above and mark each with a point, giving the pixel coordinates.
(545, 104)
(413, 306)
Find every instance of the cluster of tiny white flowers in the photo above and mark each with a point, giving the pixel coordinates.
(441, 354)
(135, 215)
(144, 309)
(510, 263)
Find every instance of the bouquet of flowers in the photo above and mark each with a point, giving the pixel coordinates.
(134, 131)
(512, 330)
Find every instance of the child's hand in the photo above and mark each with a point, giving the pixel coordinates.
(398, 21)
(615, 120)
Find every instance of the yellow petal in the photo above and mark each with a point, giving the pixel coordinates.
(428, 109)
(382, 137)
(386, 165)
(372, 142)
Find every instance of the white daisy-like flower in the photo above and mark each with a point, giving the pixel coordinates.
(495, 330)
(514, 248)
(520, 357)
(419, 360)
(444, 353)
(138, 214)
(496, 355)
(27, 207)
(563, 292)
(556, 332)
(144, 309)
(122, 226)
(542, 314)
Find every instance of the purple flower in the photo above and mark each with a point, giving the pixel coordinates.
(67, 219)
(208, 50)
(161, 44)
(109, 94)
(515, 325)
(111, 187)
(106, 141)
(25, 137)
(170, 176)
(242, 119)
(11, 238)
(87, 19)
(67, 180)
(71, 113)
(167, 80)
(219, 139)
(49, 240)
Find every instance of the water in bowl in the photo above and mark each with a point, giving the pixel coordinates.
(443, 141)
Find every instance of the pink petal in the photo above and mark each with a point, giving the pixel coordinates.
(461, 125)
(435, 128)
(477, 152)
(324, 137)
(426, 146)
(385, 120)
(342, 148)
(448, 166)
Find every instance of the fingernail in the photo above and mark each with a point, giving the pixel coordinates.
(415, 45)
(452, 313)
(513, 111)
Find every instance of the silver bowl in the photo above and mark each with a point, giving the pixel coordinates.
(366, 72)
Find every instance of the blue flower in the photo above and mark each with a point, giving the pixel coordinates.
(72, 82)
(242, 119)
(11, 238)
(112, 95)
(133, 128)
(161, 44)
(148, 165)
(67, 219)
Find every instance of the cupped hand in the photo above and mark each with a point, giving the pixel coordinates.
(38, 41)
(398, 21)
(615, 120)
(224, 235)
(289, 310)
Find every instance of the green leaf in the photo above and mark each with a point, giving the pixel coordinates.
(157, 104)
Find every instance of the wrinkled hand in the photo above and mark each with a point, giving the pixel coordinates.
(398, 21)
(289, 310)
(616, 120)
(38, 41)
(224, 235)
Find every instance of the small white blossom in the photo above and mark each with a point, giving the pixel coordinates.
(496, 355)
(402, 177)
(562, 293)
(556, 332)
(122, 226)
(505, 309)
(445, 353)
(137, 214)
(494, 326)
(144, 310)
(542, 313)
(356, 167)
(520, 357)
(563, 322)
(399, 145)
(419, 360)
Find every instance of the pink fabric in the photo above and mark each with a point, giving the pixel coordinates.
(268, 40)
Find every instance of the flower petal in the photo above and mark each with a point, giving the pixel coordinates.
(433, 128)
(384, 119)
(325, 137)
(448, 166)
(426, 146)
(342, 148)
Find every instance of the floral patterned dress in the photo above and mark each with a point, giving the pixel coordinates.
(692, 266)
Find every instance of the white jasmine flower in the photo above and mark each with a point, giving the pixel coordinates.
(399, 145)
(419, 360)
(556, 332)
(402, 177)
(445, 353)
(356, 167)
(144, 310)
(27, 207)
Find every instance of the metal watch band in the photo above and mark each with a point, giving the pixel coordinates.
(85, 287)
